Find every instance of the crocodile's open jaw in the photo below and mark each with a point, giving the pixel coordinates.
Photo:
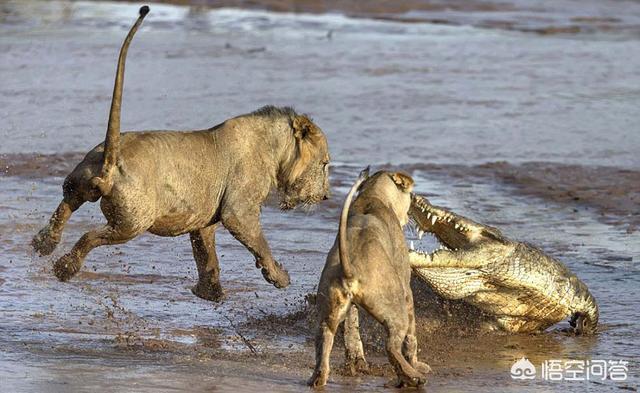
(534, 288)
(454, 232)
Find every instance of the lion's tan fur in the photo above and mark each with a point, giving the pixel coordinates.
(379, 283)
(175, 182)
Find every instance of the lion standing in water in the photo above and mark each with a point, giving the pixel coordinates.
(170, 183)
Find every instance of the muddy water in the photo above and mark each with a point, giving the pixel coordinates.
(425, 97)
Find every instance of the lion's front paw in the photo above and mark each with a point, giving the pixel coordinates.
(66, 267)
(276, 275)
(208, 291)
(44, 243)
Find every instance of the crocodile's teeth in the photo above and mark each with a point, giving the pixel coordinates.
(434, 219)
(457, 226)
(428, 215)
(448, 219)
(420, 234)
(411, 245)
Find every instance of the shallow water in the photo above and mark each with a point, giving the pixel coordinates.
(384, 92)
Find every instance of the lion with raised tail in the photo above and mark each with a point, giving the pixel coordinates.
(368, 266)
(171, 183)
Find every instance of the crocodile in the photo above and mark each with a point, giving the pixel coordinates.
(518, 286)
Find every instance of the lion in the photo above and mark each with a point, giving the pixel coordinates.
(369, 266)
(171, 183)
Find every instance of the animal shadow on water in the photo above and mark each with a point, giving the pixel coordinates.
(145, 182)
(368, 266)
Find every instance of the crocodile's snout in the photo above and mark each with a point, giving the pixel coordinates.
(453, 231)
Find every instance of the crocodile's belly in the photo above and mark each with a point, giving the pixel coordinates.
(517, 309)
(534, 310)
(453, 283)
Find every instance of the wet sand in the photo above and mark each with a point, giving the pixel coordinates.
(613, 193)
(276, 349)
(532, 133)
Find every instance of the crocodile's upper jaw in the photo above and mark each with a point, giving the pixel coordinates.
(453, 231)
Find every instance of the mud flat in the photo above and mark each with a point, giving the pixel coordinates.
(613, 193)
(128, 307)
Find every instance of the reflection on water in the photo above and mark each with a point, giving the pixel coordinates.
(384, 93)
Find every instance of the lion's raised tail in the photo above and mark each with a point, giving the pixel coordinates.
(112, 141)
(343, 246)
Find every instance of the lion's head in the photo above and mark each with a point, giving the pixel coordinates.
(304, 178)
(393, 188)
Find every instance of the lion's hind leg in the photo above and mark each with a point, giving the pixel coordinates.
(45, 241)
(354, 351)
(69, 264)
(410, 348)
(76, 191)
(394, 318)
(332, 308)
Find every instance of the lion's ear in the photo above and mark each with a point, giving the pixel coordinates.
(403, 181)
(303, 127)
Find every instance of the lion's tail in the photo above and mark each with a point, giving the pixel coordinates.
(104, 182)
(343, 247)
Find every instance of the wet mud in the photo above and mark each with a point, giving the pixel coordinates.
(612, 193)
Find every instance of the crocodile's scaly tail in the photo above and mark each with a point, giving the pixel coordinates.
(343, 247)
(104, 182)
